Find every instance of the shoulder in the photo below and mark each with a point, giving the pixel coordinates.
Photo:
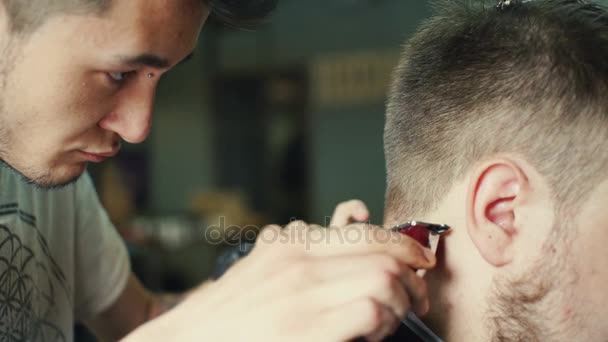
(84, 185)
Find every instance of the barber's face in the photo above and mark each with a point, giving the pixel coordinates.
(70, 95)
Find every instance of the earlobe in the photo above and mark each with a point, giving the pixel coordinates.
(494, 190)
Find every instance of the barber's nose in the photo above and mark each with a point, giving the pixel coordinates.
(131, 118)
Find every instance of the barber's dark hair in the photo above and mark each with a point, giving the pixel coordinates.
(481, 79)
(242, 13)
(27, 15)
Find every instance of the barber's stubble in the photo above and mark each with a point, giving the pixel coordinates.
(10, 48)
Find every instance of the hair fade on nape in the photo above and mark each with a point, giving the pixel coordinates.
(479, 79)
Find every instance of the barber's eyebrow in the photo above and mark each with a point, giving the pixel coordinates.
(145, 59)
(150, 60)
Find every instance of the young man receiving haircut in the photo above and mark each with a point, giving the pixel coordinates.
(497, 125)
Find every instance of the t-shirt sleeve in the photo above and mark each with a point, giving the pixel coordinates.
(102, 265)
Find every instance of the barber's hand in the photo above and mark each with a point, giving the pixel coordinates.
(328, 285)
(349, 212)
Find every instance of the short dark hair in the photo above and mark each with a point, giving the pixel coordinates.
(27, 15)
(477, 79)
(242, 13)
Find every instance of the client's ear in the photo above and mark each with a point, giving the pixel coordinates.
(496, 187)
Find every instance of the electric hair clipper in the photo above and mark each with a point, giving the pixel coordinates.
(428, 235)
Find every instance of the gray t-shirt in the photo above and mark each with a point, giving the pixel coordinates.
(61, 259)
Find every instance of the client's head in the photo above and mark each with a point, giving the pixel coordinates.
(497, 124)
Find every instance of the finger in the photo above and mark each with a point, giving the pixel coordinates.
(368, 239)
(267, 245)
(383, 287)
(302, 274)
(268, 242)
(349, 212)
(268, 235)
(361, 317)
(341, 267)
(298, 238)
(386, 330)
(417, 290)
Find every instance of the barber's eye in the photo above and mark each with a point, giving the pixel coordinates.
(119, 76)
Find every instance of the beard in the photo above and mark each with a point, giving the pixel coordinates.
(40, 178)
(526, 308)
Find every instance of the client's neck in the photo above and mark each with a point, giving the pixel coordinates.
(457, 295)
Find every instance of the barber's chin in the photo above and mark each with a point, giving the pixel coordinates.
(70, 175)
(59, 177)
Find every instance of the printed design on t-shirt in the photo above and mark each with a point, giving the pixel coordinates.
(32, 286)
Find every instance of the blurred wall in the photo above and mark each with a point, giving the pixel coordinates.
(179, 147)
(347, 157)
(345, 141)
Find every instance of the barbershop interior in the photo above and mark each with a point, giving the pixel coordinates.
(259, 127)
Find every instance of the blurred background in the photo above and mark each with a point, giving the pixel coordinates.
(257, 128)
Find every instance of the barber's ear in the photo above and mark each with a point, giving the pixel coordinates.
(495, 190)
